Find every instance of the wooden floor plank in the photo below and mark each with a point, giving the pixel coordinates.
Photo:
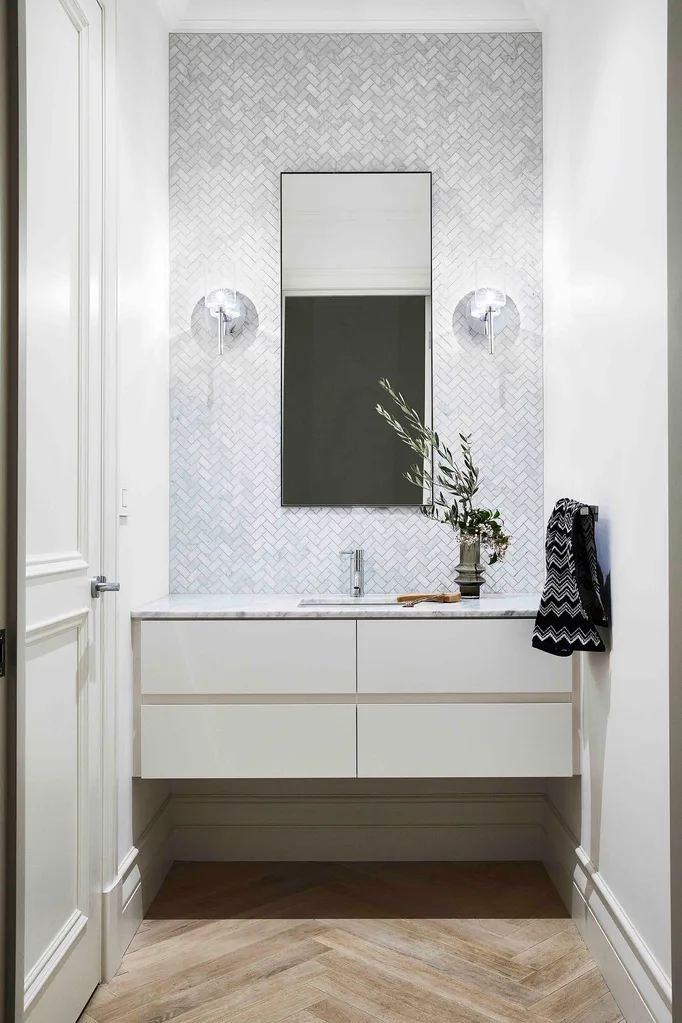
(438, 938)
(284, 1004)
(331, 1011)
(602, 1010)
(216, 938)
(356, 943)
(209, 980)
(547, 952)
(212, 1003)
(445, 974)
(390, 999)
(560, 973)
(578, 996)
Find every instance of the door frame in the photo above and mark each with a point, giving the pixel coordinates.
(110, 473)
(14, 582)
(16, 561)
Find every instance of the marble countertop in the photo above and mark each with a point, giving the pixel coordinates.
(257, 605)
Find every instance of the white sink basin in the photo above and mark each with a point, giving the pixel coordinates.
(376, 601)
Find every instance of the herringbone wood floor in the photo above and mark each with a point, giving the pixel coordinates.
(356, 943)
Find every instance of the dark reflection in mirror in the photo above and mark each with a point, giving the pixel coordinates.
(337, 450)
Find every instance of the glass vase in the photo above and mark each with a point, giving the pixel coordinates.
(470, 576)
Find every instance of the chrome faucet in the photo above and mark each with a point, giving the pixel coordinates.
(357, 571)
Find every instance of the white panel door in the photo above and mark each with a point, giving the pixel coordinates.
(64, 171)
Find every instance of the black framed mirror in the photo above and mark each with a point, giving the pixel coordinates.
(356, 307)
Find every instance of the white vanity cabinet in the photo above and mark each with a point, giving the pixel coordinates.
(246, 699)
(228, 740)
(469, 655)
(333, 695)
(467, 698)
(228, 657)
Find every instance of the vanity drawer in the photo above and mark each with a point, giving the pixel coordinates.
(248, 741)
(456, 656)
(187, 657)
(465, 740)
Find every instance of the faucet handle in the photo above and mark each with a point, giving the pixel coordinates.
(356, 553)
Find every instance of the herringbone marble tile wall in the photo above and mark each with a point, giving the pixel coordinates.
(244, 108)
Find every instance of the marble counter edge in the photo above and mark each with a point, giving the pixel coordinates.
(166, 616)
(153, 612)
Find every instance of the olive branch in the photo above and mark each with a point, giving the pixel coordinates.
(454, 488)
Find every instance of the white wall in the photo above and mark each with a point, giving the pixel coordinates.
(142, 139)
(675, 462)
(606, 415)
(351, 16)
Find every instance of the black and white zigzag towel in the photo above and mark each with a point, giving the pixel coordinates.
(572, 604)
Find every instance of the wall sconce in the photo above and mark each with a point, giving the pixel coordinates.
(488, 307)
(222, 301)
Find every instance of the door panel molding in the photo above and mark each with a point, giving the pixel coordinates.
(79, 21)
(37, 634)
(40, 566)
(39, 977)
(36, 559)
(52, 627)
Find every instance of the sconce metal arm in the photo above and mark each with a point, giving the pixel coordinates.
(490, 328)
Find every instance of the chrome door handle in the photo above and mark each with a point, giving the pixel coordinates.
(100, 585)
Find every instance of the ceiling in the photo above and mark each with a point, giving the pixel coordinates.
(353, 15)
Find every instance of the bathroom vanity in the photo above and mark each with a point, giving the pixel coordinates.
(268, 687)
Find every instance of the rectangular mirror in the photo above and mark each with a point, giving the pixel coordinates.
(356, 307)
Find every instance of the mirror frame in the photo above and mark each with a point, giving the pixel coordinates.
(428, 402)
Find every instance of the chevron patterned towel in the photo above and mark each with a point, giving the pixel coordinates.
(572, 604)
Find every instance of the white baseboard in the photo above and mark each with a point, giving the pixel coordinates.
(637, 982)
(501, 826)
(139, 878)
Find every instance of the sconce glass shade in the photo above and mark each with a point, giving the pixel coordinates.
(490, 288)
(220, 288)
(221, 298)
(489, 297)
(225, 301)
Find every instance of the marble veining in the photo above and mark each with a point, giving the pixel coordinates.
(466, 107)
(259, 606)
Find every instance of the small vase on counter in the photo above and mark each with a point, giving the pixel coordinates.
(470, 576)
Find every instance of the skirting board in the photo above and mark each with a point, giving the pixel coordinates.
(139, 878)
(637, 982)
(501, 826)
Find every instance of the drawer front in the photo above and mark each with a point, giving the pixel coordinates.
(186, 657)
(475, 656)
(484, 740)
(248, 741)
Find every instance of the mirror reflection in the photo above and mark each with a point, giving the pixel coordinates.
(356, 307)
